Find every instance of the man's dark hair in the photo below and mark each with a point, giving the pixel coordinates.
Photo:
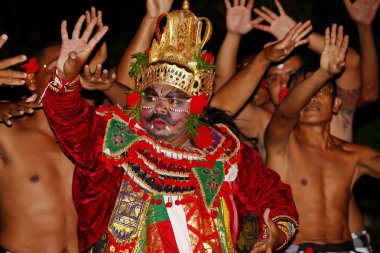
(307, 69)
(215, 116)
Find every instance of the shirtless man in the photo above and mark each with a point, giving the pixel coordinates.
(37, 213)
(321, 168)
(36, 207)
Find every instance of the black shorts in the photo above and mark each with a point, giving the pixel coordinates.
(347, 247)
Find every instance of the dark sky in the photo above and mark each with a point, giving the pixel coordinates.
(32, 23)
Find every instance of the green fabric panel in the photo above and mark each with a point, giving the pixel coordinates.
(118, 136)
(159, 212)
(155, 213)
(210, 181)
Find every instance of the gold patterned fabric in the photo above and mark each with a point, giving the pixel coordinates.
(202, 229)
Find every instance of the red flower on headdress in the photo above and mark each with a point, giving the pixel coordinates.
(208, 57)
(197, 104)
(204, 138)
(31, 66)
(283, 94)
(133, 99)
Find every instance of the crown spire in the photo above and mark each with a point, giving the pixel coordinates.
(185, 5)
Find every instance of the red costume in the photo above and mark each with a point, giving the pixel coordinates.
(80, 130)
(134, 193)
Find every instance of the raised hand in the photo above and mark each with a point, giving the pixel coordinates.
(334, 51)
(9, 76)
(98, 80)
(278, 50)
(274, 236)
(75, 51)
(9, 109)
(362, 11)
(101, 54)
(155, 8)
(238, 16)
(279, 25)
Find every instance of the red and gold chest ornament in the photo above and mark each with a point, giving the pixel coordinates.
(157, 167)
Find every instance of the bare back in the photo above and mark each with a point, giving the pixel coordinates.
(321, 181)
(37, 213)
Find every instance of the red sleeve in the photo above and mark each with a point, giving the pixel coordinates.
(75, 124)
(261, 188)
(78, 129)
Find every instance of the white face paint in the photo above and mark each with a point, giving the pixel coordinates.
(280, 66)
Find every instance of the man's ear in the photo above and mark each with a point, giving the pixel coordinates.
(337, 104)
(30, 81)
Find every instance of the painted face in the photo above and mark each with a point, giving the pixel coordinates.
(164, 113)
(278, 76)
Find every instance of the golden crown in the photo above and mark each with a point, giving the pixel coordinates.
(176, 57)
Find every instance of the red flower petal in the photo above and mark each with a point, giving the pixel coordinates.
(204, 138)
(31, 66)
(208, 57)
(197, 104)
(283, 94)
(133, 99)
(309, 250)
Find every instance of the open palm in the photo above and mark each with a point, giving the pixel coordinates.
(75, 51)
(334, 52)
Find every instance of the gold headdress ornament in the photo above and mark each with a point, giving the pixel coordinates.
(176, 57)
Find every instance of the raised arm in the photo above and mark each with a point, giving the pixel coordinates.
(279, 25)
(349, 81)
(74, 122)
(238, 23)
(363, 12)
(286, 115)
(142, 39)
(244, 83)
(9, 76)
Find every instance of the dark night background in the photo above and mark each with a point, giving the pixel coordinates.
(30, 24)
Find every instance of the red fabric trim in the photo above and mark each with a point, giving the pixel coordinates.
(261, 188)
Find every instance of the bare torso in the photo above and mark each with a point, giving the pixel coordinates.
(37, 213)
(321, 181)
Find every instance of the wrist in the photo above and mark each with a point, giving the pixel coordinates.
(263, 56)
(149, 18)
(287, 227)
(58, 83)
(233, 34)
(364, 27)
(324, 73)
(283, 238)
